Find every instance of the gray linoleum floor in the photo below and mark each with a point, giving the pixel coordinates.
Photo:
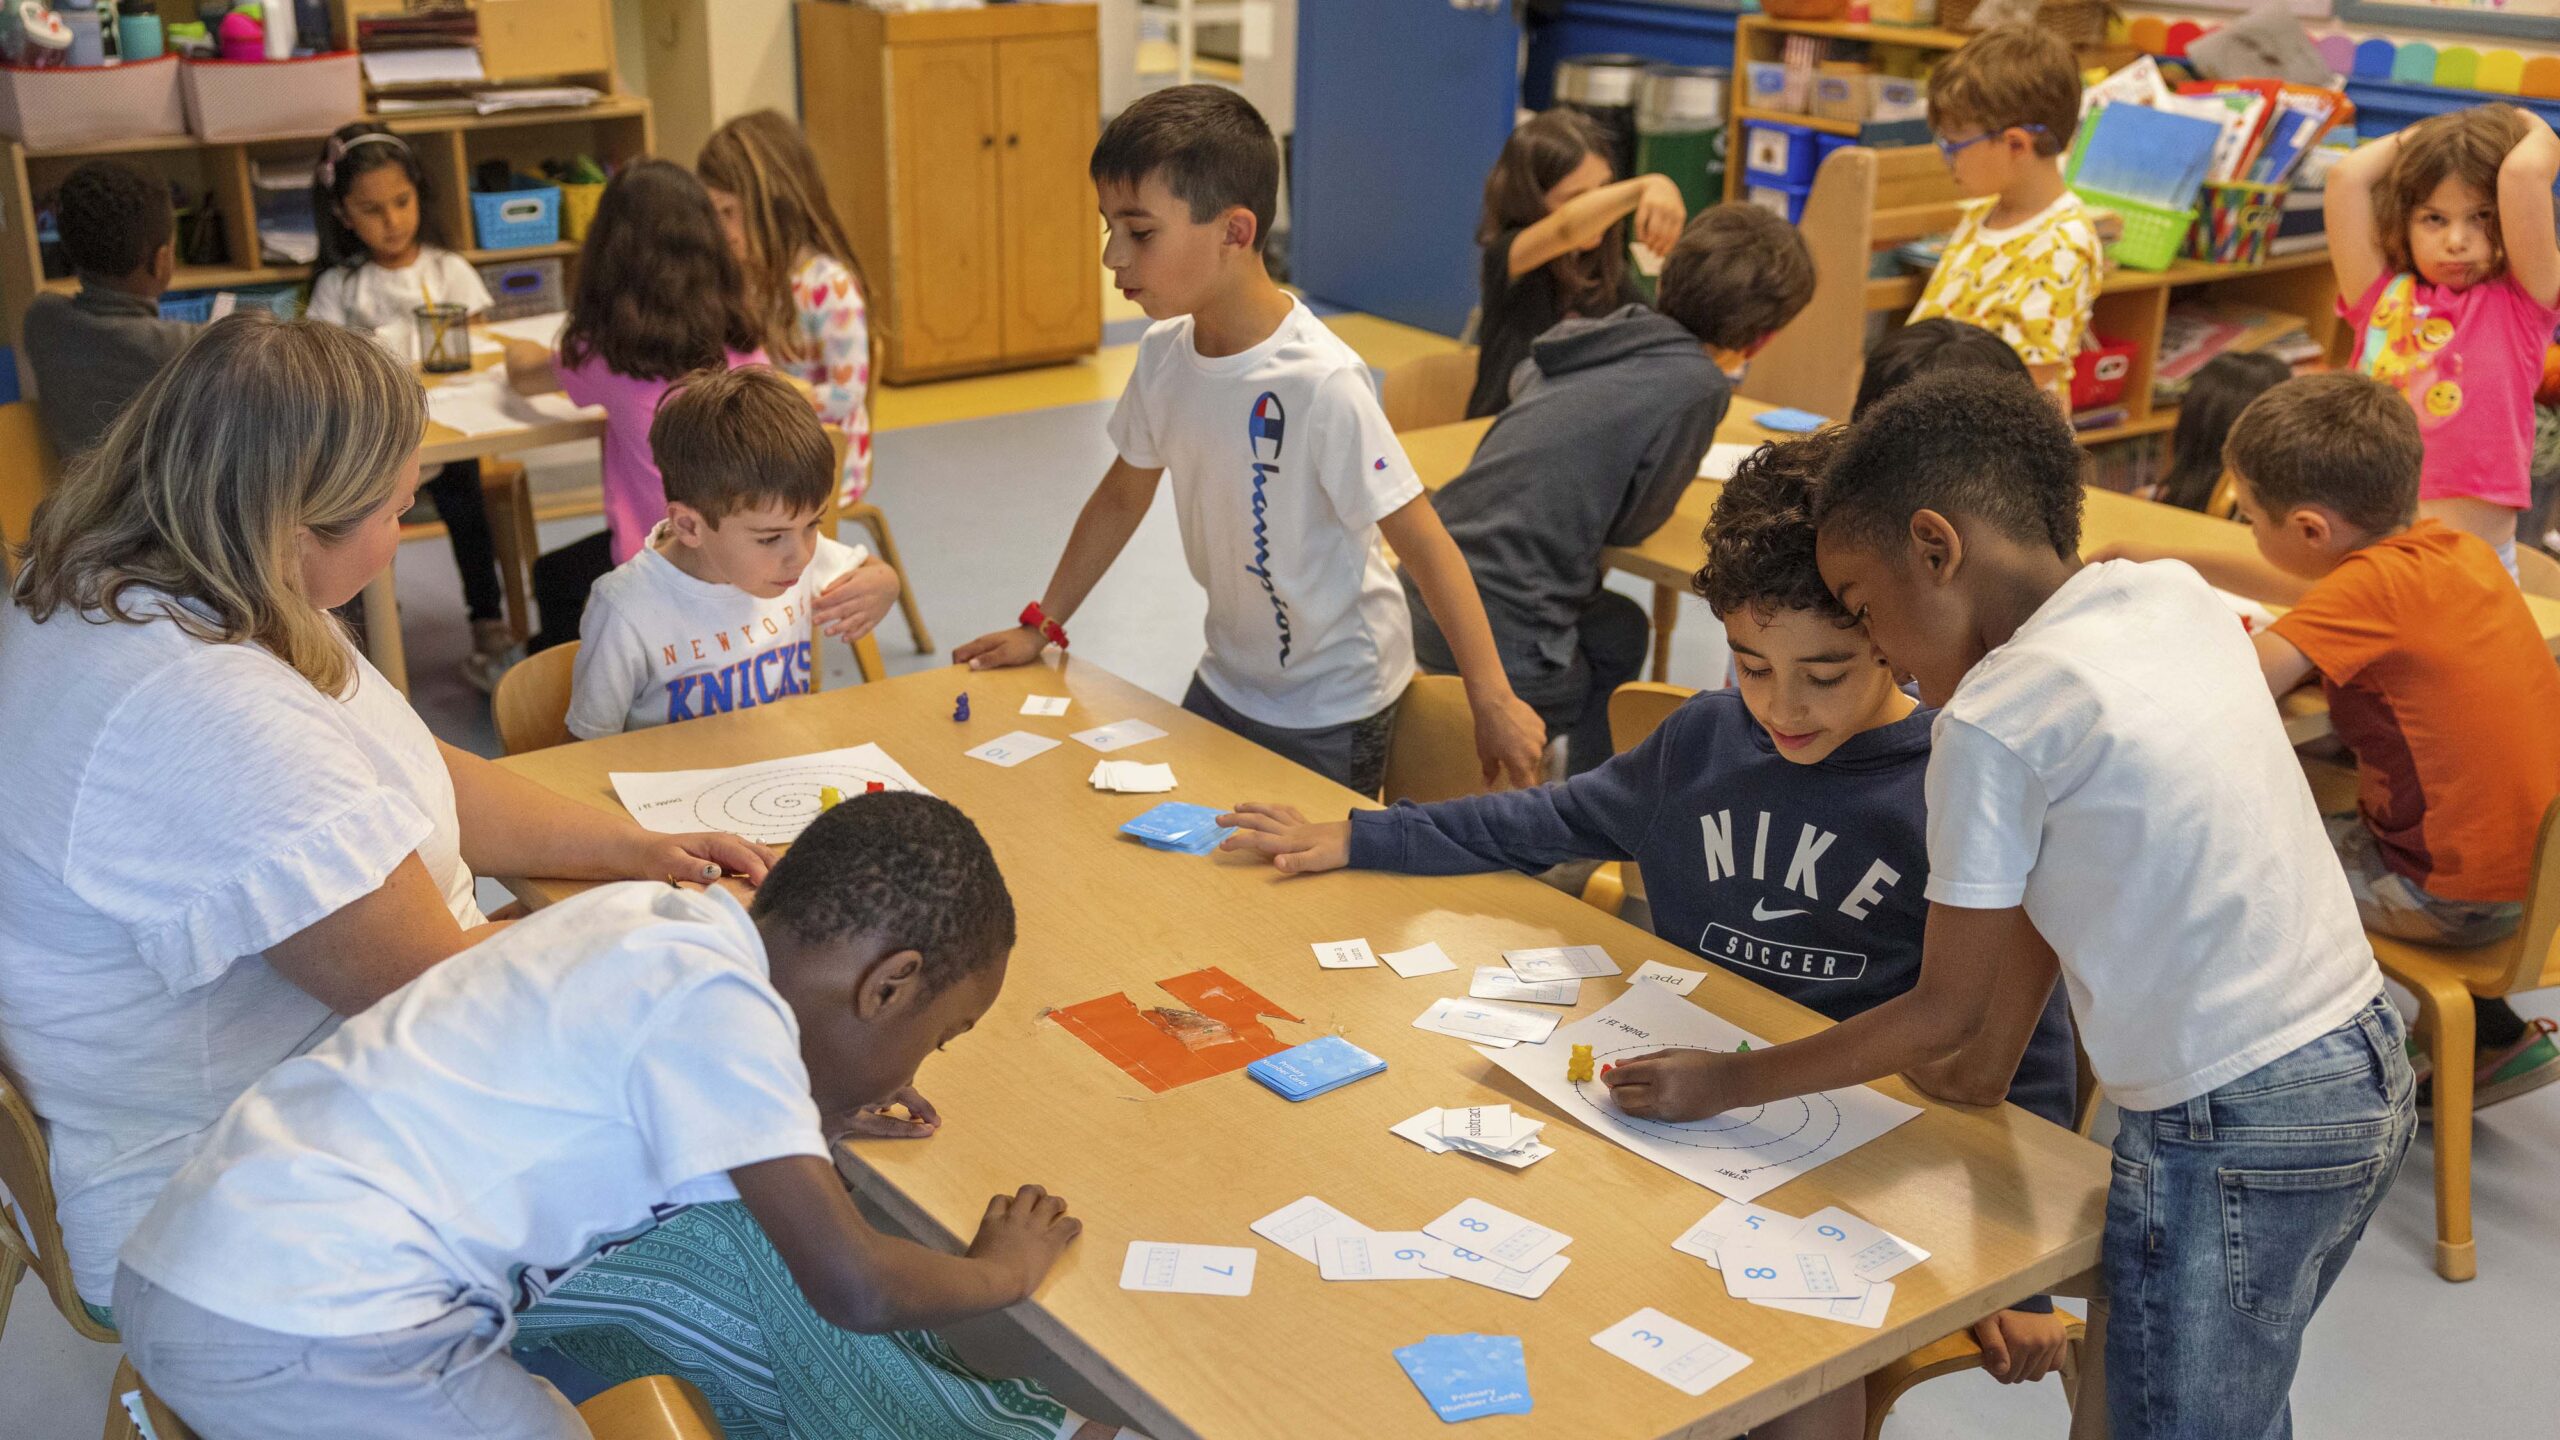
(981, 509)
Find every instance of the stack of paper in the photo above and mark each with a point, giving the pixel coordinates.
(1464, 1376)
(1496, 1025)
(1560, 962)
(1475, 1241)
(1175, 826)
(1131, 778)
(1494, 982)
(1492, 1132)
(1324, 1064)
(1830, 1264)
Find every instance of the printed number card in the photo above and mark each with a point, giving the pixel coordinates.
(1187, 1269)
(1680, 1356)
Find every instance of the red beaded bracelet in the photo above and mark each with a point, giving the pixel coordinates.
(1050, 630)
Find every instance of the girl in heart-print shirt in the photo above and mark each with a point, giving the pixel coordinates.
(803, 280)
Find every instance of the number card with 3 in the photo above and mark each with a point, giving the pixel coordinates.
(1187, 1269)
(1687, 1359)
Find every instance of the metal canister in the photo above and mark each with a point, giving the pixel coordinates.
(1680, 129)
(1604, 87)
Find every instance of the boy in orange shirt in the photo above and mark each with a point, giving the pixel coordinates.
(2437, 678)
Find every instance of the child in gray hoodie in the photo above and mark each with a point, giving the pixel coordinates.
(1609, 417)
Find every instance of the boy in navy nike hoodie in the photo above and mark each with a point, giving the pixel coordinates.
(1780, 825)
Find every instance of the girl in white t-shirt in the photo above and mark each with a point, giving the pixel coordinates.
(224, 830)
(378, 263)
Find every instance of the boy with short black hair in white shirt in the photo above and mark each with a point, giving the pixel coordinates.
(1285, 471)
(2108, 788)
(352, 1242)
(722, 608)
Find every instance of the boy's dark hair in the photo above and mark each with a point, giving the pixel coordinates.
(659, 296)
(113, 219)
(354, 151)
(1966, 443)
(726, 440)
(2223, 387)
(1207, 144)
(2339, 440)
(908, 870)
(2013, 76)
(1736, 276)
(1928, 347)
(1760, 538)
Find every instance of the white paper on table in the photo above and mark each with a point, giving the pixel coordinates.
(1731, 1221)
(1422, 1130)
(1867, 1309)
(1870, 1251)
(1496, 982)
(1740, 1155)
(1294, 1226)
(1560, 962)
(1426, 958)
(1472, 1266)
(1011, 749)
(1044, 705)
(1486, 1022)
(1722, 459)
(1128, 777)
(1344, 955)
(1355, 1253)
(1485, 1124)
(483, 403)
(1511, 1241)
(769, 802)
(1685, 1358)
(1782, 1269)
(543, 330)
(1118, 735)
(1678, 982)
(1187, 1269)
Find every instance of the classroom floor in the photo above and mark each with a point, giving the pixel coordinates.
(982, 479)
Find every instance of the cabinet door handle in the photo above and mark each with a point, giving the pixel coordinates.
(1012, 140)
(986, 142)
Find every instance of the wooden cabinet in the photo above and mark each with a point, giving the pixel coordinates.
(955, 145)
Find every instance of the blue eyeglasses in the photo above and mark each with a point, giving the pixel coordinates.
(1950, 149)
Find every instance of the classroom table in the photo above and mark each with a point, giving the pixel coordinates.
(2009, 1205)
(441, 444)
(1671, 554)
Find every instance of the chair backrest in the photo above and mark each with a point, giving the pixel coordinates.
(1432, 755)
(2537, 573)
(2224, 502)
(27, 472)
(29, 1232)
(1638, 708)
(1802, 365)
(1428, 390)
(532, 703)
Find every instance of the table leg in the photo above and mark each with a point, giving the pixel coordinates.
(382, 628)
(1666, 617)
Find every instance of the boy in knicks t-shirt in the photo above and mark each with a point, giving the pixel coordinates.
(1285, 471)
(2024, 261)
(352, 1243)
(2437, 678)
(2109, 791)
(722, 607)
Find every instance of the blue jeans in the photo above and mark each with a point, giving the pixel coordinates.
(2229, 1218)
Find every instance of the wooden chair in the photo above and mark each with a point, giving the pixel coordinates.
(31, 1236)
(1636, 710)
(28, 470)
(532, 703)
(511, 534)
(1428, 390)
(2536, 572)
(1432, 755)
(885, 545)
(1951, 1355)
(2224, 502)
(653, 1407)
(2445, 980)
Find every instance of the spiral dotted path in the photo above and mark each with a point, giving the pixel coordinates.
(774, 806)
(1761, 1137)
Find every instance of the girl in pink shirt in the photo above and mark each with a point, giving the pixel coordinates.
(658, 297)
(2443, 235)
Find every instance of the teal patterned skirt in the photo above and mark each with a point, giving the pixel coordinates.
(706, 1297)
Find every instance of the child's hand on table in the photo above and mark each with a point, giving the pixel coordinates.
(2019, 1346)
(879, 1122)
(1026, 1231)
(853, 605)
(1018, 646)
(1673, 1085)
(1511, 741)
(1296, 845)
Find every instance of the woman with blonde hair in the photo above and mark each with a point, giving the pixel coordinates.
(804, 284)
(225, 830)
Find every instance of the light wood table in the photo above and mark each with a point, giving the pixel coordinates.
(1672, 553)
(2008, 1204)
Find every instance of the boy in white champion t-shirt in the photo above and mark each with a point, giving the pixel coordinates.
(1285, 471)
(352, 1243)
(722, 608)
(2110, 790)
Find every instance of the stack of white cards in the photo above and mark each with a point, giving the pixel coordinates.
(1829, 1264)
(1560, 962)
(1499, 1026)
(1131, 778)
(1491, 1132)
(1476, 1242)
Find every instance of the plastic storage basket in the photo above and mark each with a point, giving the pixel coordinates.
(516, 219)
(2152, 236)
